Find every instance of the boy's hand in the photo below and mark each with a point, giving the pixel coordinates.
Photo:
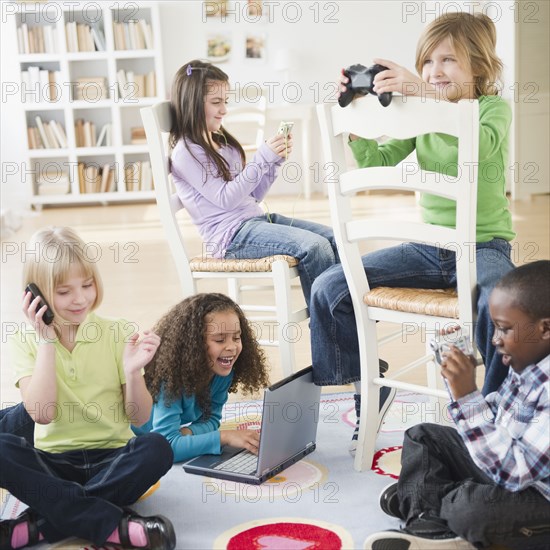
(342, 81)
(139, 352)
(399, 79)
(459, 371)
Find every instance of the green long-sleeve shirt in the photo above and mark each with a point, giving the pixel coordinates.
(439, 153)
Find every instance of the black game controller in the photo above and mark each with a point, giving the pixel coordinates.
(361, 81)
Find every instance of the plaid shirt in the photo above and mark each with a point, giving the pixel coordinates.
(508, 432)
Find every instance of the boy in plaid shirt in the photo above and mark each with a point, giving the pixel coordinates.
(488, 481)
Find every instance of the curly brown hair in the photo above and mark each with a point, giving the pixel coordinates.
(181, 364)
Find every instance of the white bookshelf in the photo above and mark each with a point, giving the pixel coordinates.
(122, 113)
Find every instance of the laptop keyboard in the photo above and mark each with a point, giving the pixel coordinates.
(243, 463)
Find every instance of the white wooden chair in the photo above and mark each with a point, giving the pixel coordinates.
(404, 118)
(278, 270)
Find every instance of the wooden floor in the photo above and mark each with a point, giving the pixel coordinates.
(140, 278)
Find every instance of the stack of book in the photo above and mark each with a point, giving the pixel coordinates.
(137, 135)
(39, 85)
(138, 176)
(46, 135)
(39, 39)
(52, 182)
(91, 88)
(133, 86)
(134, 34)
(96, 179)
(84, 38)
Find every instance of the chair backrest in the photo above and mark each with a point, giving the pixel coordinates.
(157, 121)
(406, 117)
(247, 120)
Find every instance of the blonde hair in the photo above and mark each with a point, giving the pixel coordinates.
(51, 254)
(473, 37)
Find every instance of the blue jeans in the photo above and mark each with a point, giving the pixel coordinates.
(312, 243)
(334, 344)
(82, 493)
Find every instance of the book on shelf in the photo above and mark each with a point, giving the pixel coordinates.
(96, 179)
(92, 178)
(132, 176)
(91, 88)
(104, 139)
(99, 38)
(71, 36)
(138, 176)
(39, 84)
(137, 135)
(59, 133)
(85, 134)
(42, 131)
(146, 176)
(134, 34)
(88, 131)
(85, 39)
(38, 39)
(147, 34)
(82, 37)
(52, 182)
(132, 85)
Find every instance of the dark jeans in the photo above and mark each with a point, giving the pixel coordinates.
(16, 420)
(81, 493)
(439, 476)
(334, 342)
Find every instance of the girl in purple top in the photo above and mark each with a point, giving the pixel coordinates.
(222, 193)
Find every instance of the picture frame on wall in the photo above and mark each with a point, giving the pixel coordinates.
(215, 8)
(218, 47)
(255, 46)
(255, 8)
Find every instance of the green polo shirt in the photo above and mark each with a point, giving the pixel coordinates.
(439, 153)
(89, 411)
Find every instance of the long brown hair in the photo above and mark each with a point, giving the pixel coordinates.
(189, 89)
(181, 365)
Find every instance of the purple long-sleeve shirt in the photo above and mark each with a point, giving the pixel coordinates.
(218, 207)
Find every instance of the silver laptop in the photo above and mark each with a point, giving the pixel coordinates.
(289, 428)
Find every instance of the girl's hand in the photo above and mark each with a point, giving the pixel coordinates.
(460, 372)
(280, 145)
(399, 79)
(138, 353)
(34, 313)
(242, 439)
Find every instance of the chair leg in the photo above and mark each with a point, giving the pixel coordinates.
(435, 381)
(233, 289)
(281, 285)
(370, 399)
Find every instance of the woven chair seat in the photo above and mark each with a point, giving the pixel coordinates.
(438, 302)
(221, 265)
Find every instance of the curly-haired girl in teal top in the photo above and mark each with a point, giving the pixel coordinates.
(207, 351)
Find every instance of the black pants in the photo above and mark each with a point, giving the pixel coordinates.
(81, 493)
(439, 476)
(17, 421)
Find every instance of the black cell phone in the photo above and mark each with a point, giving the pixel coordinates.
(35, 291)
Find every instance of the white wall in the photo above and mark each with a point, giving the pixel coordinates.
(323, 36)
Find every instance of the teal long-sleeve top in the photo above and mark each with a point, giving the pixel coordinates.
(439, 153)
(167, 419)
